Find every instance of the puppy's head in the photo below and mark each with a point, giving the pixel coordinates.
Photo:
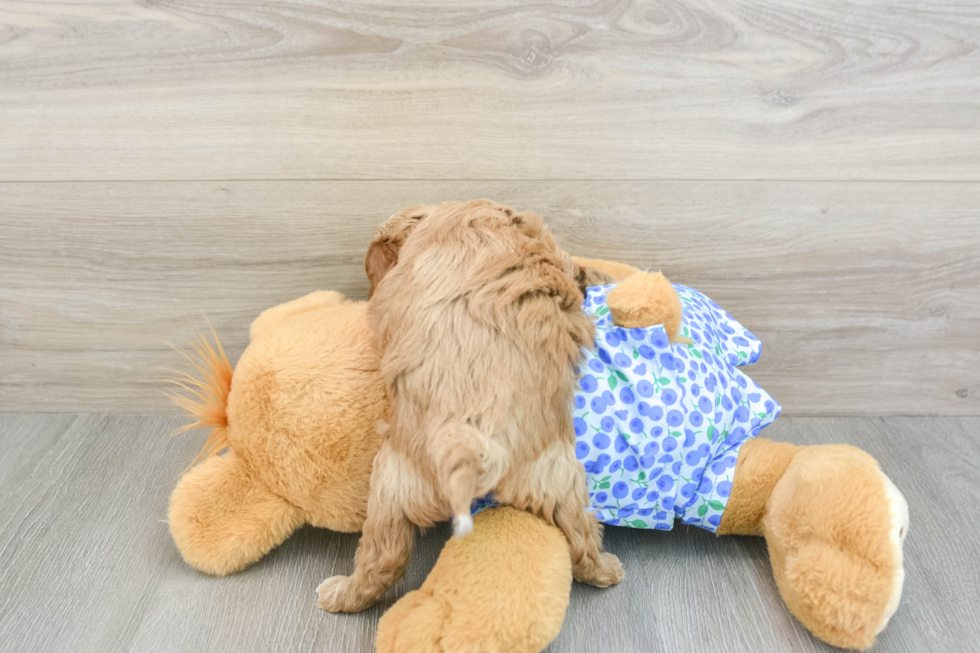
(382, 253)
(532, 226)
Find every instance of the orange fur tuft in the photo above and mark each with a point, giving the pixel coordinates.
(208, 394)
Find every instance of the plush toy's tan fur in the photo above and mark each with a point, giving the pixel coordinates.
(300, 432)
(515, 608)
(209, 394)
(639, 300)
(302, 412)
(834, 545)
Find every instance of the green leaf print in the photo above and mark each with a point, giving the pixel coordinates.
(604, 486)
(694, 352)
(602, 310)
(717, 505)
(702, 510)
(612, 382)
(622, 377)
(638, 523)
(711, 432)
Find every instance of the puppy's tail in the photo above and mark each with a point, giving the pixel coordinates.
(469, 466)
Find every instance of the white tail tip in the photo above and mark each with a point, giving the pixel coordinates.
(463, 525)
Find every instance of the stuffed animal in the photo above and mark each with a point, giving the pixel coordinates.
(295, 426)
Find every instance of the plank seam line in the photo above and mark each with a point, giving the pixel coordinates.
(492, 179)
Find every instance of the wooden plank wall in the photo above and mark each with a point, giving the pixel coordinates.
(814, 167)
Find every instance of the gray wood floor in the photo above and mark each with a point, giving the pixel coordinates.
(86, 562)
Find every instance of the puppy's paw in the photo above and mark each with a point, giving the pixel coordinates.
(337, 594)
(602, 573)
(329, 593)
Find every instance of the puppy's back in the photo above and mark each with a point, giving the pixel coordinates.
(479, 324)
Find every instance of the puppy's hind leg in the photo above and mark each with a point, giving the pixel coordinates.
(555, 488)
(589, 563)
(386, 540)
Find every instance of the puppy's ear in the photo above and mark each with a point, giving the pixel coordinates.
(586, 277)
(382, 255)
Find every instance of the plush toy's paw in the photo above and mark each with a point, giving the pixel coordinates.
(602, 573)
(646, 299)
(480, 596)
(223, 519)
(898, 511)
(835, 526)
(338, 594)
(415, 623)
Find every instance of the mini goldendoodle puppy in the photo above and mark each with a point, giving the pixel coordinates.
(479, 321)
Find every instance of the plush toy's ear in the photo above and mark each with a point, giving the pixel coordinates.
(382, 255)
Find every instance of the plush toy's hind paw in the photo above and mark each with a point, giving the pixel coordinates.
(835, 526)
(480, 596)
(898, 510)
(415, 623)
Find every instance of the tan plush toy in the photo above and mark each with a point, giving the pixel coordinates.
(297, 424)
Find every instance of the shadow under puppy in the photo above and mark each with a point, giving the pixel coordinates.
(479, 322)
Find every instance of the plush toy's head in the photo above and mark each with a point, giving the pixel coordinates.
(297, 423)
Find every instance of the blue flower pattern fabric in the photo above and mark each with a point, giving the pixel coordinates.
(659, 426)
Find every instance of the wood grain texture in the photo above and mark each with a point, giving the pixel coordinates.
(866, 295)
(572, 89)
(86, 563)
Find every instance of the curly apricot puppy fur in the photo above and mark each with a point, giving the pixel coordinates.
(480, 325)
(382, 254)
